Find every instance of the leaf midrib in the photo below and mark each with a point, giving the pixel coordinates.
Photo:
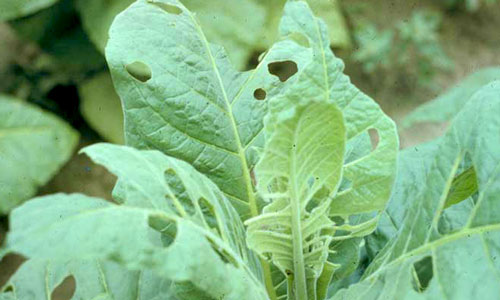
(252, 202)
(435, 244)
(241, 151)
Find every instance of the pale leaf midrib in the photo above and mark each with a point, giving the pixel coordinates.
(241, 150)
(435, 244)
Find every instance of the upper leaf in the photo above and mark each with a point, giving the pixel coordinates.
(33, 145)
(303, 154)
(320, 90)
(456, 261)
(224, 23)
(367, 175)
(181, 95)
(187, 101)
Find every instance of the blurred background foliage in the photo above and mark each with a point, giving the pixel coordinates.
(403, 53)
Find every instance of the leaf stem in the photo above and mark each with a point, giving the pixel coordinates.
(298, 254)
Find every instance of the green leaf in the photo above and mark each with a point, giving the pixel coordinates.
(12, 9)
(446, 106)
(320, 83)
(413, 165)
(37, 279)
(33, 146)
(227, 24)
(178, 225)
(215, 129)
(302, 155)
(147, 178)
(425, 261)
(101, 107)
(195, 106)
(368, 178)
(222, 23)
(97, 16)
(462, 187)
(7, 296)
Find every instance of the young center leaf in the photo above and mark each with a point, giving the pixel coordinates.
(303, 154)
(33, 146)
(171, 221)
(339, 185)
(440, 252)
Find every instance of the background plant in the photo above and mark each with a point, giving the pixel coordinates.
(412, 45)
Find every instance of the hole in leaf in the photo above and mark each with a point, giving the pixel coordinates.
(422, 274)
(223, 254)
(374, 137)
(139, 71)
(167, 227)
(283, 69)
(208, 214)
(259, 94)
(171, 9)
(461, 198)
(254, 59)
(65, 290)
(9, 264)
(179, 191)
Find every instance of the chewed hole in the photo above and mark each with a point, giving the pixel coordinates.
(171, 9)
(422, 274)
(208, 214)
(374, 137)
(166, 227)
(139, 71)
(8, 289)
(223, 254)
(283, 69)
(259, 94)
(65, 290)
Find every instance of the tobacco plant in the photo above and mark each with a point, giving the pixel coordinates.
(246, 185)
(412, 45)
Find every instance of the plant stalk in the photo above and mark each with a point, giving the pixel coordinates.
(298, 254)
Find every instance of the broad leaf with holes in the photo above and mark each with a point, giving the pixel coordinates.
(172, 221)
(181, 96)
(427, 260)
(34, 145)
(303, 154)
(93, 279)
(224, 23)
